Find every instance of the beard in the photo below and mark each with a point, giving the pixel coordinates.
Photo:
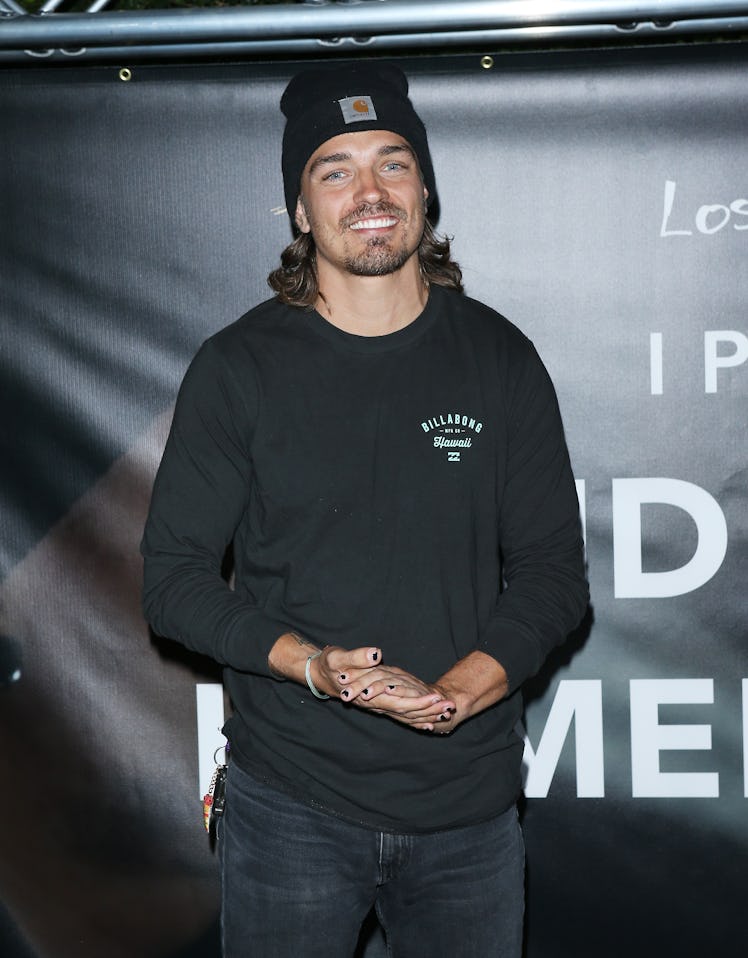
(379, 257)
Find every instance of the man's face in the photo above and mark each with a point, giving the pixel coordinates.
(363, 201)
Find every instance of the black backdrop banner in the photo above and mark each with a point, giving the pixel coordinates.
(600, 201)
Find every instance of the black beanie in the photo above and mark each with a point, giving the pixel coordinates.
(346, 98)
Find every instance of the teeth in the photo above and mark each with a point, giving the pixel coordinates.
(374, 224)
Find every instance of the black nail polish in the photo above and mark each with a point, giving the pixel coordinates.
(365, 692)
(345, 693)
(375, 656)
(342, 677)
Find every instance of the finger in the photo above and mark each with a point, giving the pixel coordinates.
(362, 690)
(390, 678)
(436, 728)
(385, 686)
(427, 708)
(413, 690)
(442, 725)
(430, 704)
(358, 679)
(446, 729)
(370, 686)
(376, 678)
(430, 719)
(345, 661)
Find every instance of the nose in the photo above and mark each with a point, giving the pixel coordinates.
(369, 188)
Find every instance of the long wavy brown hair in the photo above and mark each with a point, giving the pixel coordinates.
(295, 280)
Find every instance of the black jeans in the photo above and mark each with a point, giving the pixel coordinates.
(299, 882)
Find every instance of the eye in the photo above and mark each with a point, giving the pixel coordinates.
(333, 176)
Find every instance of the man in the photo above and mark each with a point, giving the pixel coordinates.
(387, 457)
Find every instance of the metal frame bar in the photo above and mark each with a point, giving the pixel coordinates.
(11, 8)
(372, 24)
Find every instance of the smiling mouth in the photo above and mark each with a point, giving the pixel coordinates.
(375, 223)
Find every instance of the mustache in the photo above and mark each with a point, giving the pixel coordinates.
(366, 211)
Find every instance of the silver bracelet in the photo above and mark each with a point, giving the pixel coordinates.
(308, 673)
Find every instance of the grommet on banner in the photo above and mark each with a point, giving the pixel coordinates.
(486, 62)
(125, 74)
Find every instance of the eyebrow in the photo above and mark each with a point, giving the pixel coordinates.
(333, 158)
(327, 160)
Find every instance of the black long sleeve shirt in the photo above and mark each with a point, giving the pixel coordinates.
(410, 491)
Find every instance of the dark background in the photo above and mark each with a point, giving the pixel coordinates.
(138, 218)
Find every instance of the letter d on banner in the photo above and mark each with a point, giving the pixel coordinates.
(630, 581)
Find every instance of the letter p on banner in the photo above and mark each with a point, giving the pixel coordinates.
(713, 361)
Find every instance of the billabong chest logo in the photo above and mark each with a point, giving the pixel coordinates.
(452, 432)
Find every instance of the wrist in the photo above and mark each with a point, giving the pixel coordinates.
(311, 684)
(287, 658)
(474, 683)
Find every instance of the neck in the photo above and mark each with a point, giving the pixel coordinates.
(372, 305)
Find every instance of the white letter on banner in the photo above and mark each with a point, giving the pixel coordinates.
(741, 208)
(655, 363)
(582, 496)
(582, 701)
(702, 218)
(713, 362)
(630, 581)
(210, 739)
(649, 738)
(668, 209)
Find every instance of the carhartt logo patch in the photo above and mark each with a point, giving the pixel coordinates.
(357, 108)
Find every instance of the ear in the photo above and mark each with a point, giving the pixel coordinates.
(425, 198)
(300, 217)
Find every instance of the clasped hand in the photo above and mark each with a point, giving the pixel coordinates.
(360, 678)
